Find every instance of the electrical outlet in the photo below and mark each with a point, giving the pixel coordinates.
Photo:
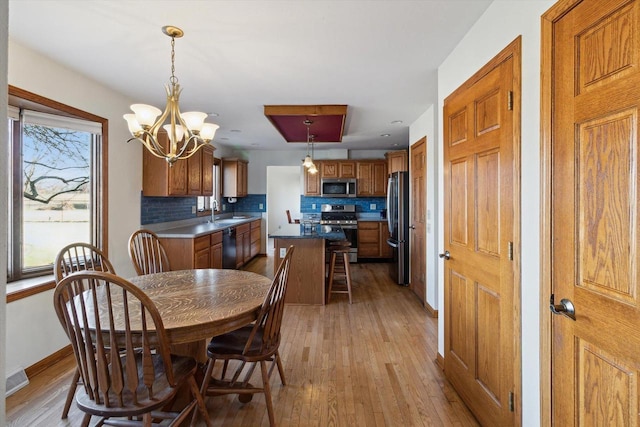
(283, 252)
(224, 207)
(372, 206)
(313, 205)
(261, 206)
(193, 209)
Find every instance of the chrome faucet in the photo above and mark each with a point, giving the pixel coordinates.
(214, 208)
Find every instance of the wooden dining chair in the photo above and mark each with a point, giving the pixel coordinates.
(72, 258)
(147, 253)
(143, 377)
(291, 221)
(256, 343)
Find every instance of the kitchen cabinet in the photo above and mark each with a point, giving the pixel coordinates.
(199, 252)
(337, 169)
(397, 161)
(372, 178)
(256, 237)
(243, 244)
(184, 178)
(234, 177)
(372, 240)
(312, 181)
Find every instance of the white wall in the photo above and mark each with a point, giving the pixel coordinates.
(424, 126)
(502, 22)
(4, 25)
(283, 192)
(32, 320)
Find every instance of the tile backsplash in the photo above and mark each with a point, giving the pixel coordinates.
(363, 204)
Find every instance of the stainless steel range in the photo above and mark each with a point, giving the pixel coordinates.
(343, 216)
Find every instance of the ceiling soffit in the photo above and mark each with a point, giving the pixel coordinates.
(327, 121)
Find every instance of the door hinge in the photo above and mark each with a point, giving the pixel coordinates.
(510, 100)
(511, 404)
(510, 251)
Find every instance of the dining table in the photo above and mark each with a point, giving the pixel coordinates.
(196, 305)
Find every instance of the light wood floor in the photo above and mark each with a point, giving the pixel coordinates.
(366, 364)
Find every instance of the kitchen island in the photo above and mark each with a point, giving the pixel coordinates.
(307, 271)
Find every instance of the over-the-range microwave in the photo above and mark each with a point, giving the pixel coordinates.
(338, 187)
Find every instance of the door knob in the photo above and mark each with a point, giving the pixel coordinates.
(413, 227)
(565, 307)
(446, 255)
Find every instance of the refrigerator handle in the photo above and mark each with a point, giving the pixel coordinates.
(389, 208)
(393, 243)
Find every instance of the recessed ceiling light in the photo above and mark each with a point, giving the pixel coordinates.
(216, 115)
(235, 130)
(385, 135)
(254, 144)
(396, 122)
(224, 139)
(395, 144)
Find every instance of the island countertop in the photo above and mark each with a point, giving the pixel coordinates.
(315, 231)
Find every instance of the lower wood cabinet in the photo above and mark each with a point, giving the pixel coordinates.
(372, 240)
(256, 237)
(199, 252)
(243, 244)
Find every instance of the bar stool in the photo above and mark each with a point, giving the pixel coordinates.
(339, 268)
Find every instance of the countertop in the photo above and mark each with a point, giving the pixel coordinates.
(316, 231)
(204, 228)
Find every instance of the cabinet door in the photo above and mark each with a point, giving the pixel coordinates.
(246, 246)
(329, 169)
(365, 171)
(202, 254)
(379, 179)
(397, 161)
(207, 171)
(347, 169)
(194, 174)
(256, 237)
(216, 256)
(242, 179)
(386, 251)
(312, 181)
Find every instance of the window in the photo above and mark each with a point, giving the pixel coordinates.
(56, 182)
(206, 203)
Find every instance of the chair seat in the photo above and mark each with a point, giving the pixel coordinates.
(231, 344)
(183, 367)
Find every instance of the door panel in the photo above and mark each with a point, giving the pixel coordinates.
(418, 213)
(593, 227)
(481, 278)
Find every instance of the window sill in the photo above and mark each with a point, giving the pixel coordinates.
(28, 287)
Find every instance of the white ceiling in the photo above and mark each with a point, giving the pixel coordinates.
(378, 57)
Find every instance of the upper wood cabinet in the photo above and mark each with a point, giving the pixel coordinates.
(312, 181)
(337, 169)
(397, 161)
(234, 177)
(372, 178)
(184, 178)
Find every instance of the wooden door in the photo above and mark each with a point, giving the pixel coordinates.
(481, 133)
(417, 237)
(591, 110)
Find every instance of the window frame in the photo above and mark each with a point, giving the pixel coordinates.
(21, 98)
(217, 191)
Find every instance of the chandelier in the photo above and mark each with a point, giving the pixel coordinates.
(308, 160)
(187, 132)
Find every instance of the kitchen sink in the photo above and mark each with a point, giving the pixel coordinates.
(226, 221)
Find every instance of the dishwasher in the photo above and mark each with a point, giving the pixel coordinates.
(229, 248)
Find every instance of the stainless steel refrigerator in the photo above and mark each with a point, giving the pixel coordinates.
(398, 220)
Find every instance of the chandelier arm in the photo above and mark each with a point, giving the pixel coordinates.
(149, 148)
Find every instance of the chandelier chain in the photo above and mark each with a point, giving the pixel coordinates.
(173, 78)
